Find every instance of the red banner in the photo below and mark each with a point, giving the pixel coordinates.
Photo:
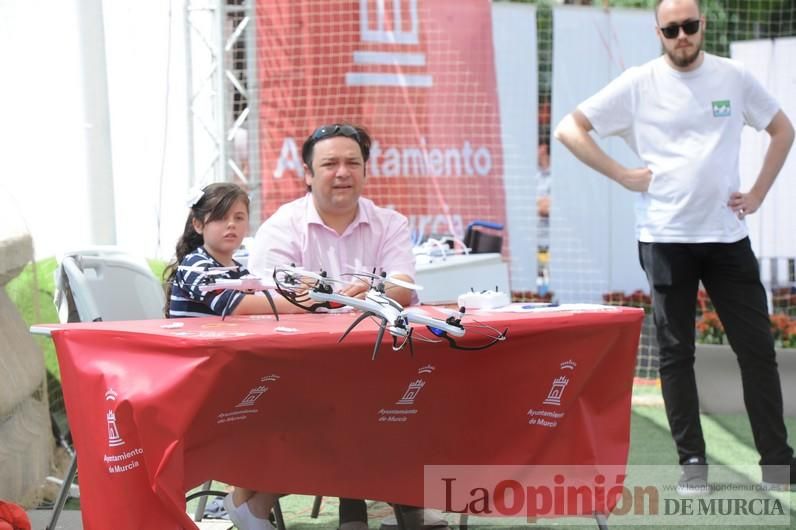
(418, 74)
(158, 407)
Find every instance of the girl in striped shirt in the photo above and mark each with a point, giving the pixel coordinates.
(215, 227)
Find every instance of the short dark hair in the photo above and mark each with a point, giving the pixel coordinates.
(659, 2)
(348, 130)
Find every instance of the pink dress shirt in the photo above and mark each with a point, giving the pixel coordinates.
(377, 238)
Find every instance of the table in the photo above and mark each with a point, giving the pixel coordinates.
(157, 407)
(444, 279)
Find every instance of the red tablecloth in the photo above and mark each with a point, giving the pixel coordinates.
(157, 410)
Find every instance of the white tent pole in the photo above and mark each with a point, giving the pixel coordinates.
(99, 169)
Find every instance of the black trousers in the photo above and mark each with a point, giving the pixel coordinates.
(730, 275)
(353, 510)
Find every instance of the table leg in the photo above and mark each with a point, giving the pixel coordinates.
(63, 495)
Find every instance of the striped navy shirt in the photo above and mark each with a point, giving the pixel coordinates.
(188, 301)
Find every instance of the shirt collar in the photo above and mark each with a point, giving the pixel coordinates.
(313, 217)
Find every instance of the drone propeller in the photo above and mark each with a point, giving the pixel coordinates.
(298, 286)
(299, 272)
(403, 283)
(245, 283)
(218, 271)
(302, 272)
(386, 279)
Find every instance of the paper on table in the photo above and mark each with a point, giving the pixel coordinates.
(549, 308)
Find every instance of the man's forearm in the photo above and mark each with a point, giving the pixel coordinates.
(781, 131)
(573, 132)
(578, 140)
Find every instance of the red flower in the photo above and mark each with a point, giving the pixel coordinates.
(703, 302)
(710, 328)
(779, 323)
(637, 298)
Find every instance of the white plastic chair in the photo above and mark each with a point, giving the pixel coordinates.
(106, 283)
(102, 283)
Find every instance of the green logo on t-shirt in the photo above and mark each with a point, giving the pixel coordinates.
(721, 108)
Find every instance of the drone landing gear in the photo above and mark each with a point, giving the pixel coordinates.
(272, 304)
(267, 296)
(380, 335)
(356, 322)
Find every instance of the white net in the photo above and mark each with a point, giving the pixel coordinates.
(459, 112)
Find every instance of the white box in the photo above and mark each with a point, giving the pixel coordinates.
(443, 280)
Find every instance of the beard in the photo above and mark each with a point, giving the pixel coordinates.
(682, 60)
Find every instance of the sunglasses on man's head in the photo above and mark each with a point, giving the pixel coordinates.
(328, 131)
(673, 30)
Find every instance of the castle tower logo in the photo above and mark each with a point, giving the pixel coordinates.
(114, 438)
(556, 391)
(253, 395)
(411, 393)
(560, 384)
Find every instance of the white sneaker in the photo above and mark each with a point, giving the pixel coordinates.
(694, 478)
(243, 518)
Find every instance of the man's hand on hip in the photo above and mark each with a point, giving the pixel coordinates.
(744, 204)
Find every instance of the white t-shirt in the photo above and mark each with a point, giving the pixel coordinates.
(686, 128)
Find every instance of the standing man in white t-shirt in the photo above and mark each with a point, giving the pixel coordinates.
(682, 114)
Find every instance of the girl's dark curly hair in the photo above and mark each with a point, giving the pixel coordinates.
(215, 202)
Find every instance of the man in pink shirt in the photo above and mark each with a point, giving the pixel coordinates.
(333, 228)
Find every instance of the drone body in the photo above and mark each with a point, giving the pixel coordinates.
(315, 292)
(248, 284)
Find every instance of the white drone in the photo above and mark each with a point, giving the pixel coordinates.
(375, 304)
(315, 292)
(248, 284)
(392, 317)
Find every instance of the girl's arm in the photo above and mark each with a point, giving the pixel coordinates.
(258, 305)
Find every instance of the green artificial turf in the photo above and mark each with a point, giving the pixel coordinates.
(728, 438)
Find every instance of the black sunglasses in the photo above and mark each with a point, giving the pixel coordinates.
(673, 30)
(360, 136)
(328, 131)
